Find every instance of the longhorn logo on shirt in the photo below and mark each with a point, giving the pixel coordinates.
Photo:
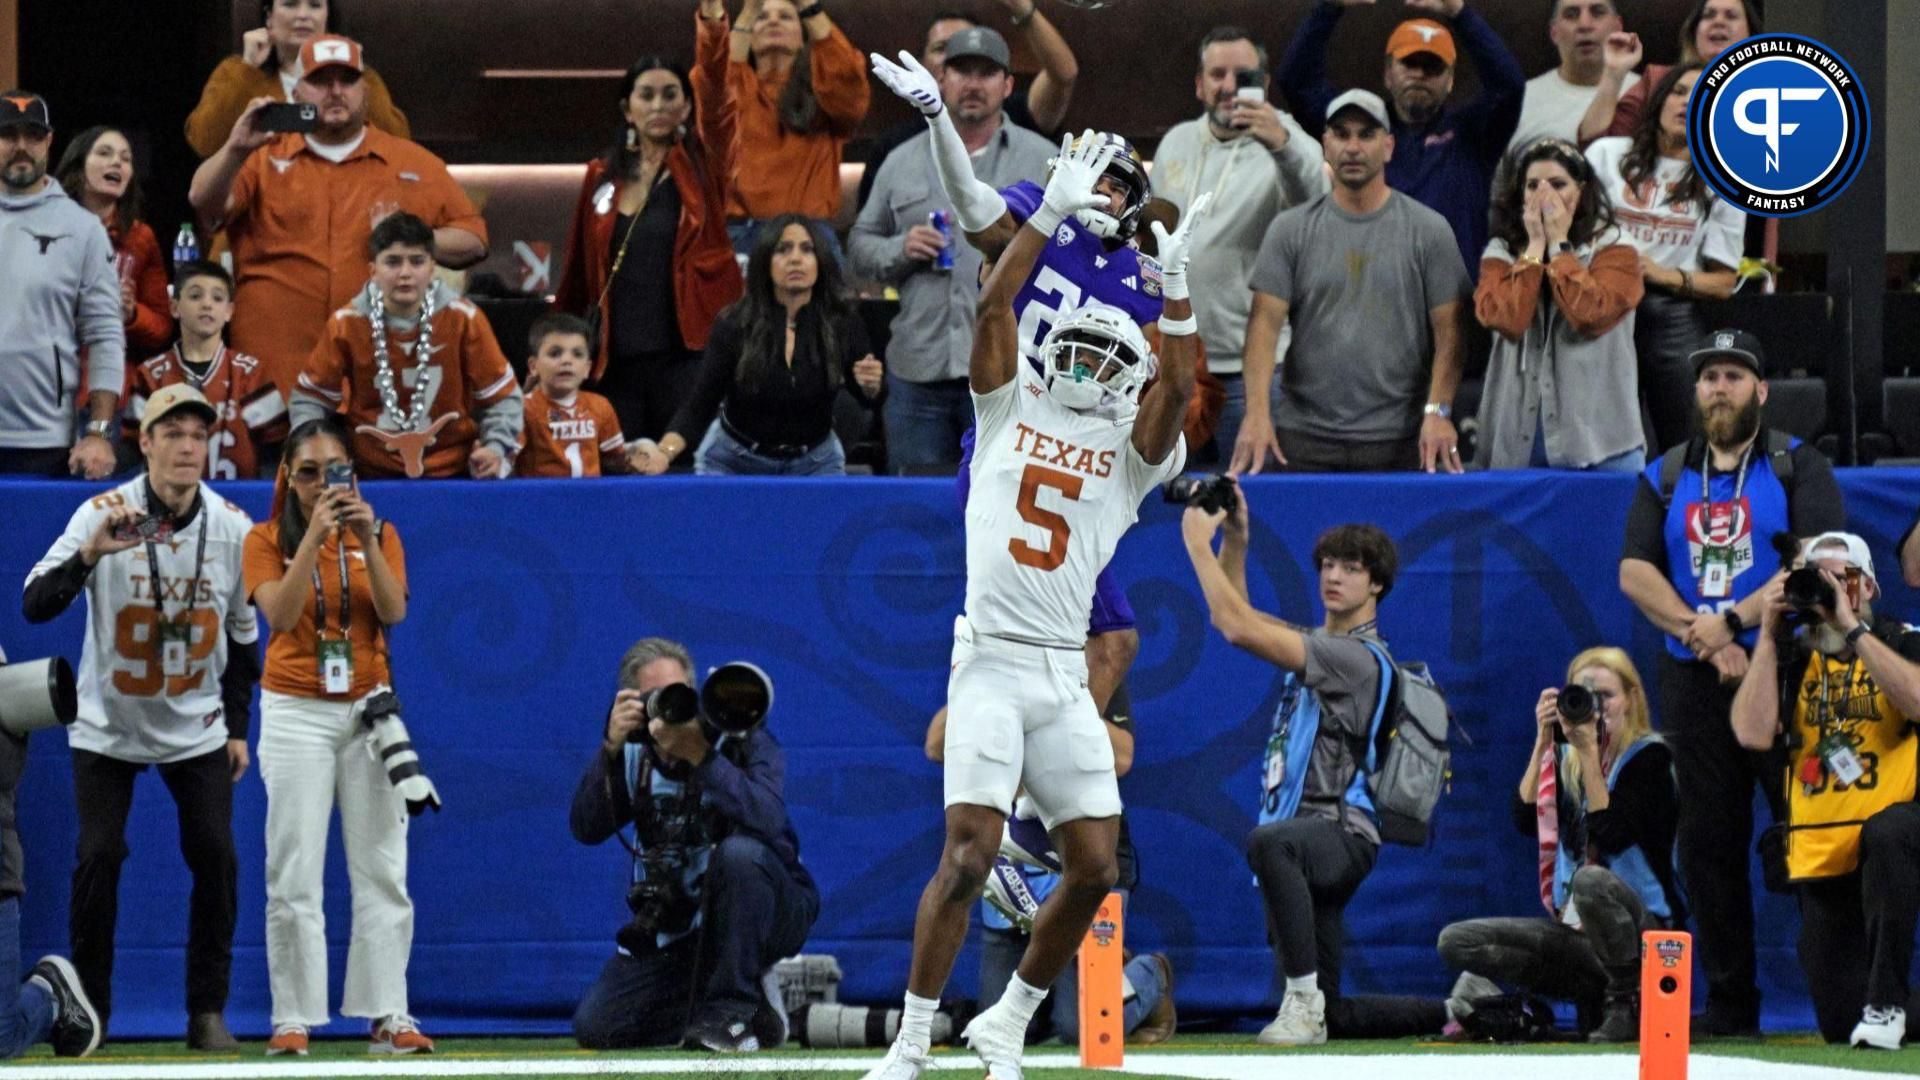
(280, 165)
(46, 241)
(1720, 525)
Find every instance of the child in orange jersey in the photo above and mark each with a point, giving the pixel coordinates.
(253, 418)
(570, 431)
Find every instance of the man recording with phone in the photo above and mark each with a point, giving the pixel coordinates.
(167, 672)
(717, 891)
(1838, 685)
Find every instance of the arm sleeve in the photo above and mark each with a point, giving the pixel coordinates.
(715, 97)
(714, 381)
(1725, 236)
(601, 803)
(1633, 102)
(613, 441)
(1344, 666)
(260, 560)
(857, 347)
(975, 204)
(840, 81)
(1022, 199)
(237, 681)
(1646, 526)
(877, 245)
(222, 100)
(1816, 505)
(498, 407)
(1595, 297)
(381, 111)
(102, 331)
(1526, 821)
(321, 388)
(455, 210)
(1495, 111)
(152, 326)
(1508, 294)
(1643, 807)
(60, 575)
(572, 295)
(1303, 70)
(750, 797)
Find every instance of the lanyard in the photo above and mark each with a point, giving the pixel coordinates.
(320, 596)
(1739, 478)
(193, 584)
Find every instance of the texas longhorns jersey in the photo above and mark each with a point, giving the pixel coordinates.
(129, 707)
(581, 439)
(1052, 492)
(252, 412)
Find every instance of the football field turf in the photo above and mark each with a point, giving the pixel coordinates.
(1199, 1057)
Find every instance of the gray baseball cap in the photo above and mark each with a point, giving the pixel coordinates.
(980, 41)
(1366, 101)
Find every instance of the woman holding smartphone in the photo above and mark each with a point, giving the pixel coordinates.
(330, 578)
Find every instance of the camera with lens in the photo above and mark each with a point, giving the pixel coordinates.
(1212, 493)
(734, 700)
(660, 901)
(1807, 592)
(1576, 704)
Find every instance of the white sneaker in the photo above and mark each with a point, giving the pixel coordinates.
(1467, 989)
(1880, 1028)
(904, 1061)
(1302, 1021)
(998, 1041)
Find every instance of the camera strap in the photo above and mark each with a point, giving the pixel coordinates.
(335, 655)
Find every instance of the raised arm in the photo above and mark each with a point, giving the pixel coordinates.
(979, 210)
(1052, 89)
(996, 346)
(1163, 411)
(211, 191)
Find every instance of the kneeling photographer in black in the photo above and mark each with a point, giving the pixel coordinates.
(718, 892)
(1839, 685)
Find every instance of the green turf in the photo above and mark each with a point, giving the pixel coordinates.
(1796, 1049)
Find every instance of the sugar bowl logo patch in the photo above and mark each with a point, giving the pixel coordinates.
(1778, 125)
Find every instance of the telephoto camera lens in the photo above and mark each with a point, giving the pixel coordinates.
(1210, 493)
(1575, 704)
(674, 703)
(1806, 591)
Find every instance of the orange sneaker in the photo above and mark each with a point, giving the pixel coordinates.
(288, 1039)
(398, 1034)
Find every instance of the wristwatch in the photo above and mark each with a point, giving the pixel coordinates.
(101, 428)
(811, 10)
(1854, 635)
(1734, 622)
(1564, 247)
(1434, 408)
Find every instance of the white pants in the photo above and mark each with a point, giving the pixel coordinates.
(1021, 715)
(312, 751)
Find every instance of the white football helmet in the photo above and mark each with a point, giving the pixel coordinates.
(1095, 358)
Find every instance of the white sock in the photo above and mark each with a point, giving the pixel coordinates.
(916, 1021)
(1022, 1000)
(1303, 984)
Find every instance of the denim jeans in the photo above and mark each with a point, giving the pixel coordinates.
(28, 1017)
(720, 454)
(925, 421)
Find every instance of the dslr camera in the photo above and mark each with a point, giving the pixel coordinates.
(1212, 493)
(1806, 592)
(660, 901)
(1576, 704)
(734, 700)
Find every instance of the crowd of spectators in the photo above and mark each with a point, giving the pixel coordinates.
(754, 130)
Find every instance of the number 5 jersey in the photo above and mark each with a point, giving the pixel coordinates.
(131, 707)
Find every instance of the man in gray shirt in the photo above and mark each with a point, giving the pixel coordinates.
(1257, 161)
(61, 298)
(1372, 283)
(928, 406)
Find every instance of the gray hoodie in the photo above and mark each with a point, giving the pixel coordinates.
(59, 293)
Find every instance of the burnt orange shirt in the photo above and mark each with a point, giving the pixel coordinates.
(252, 413)
(582, 439)
(777, 171)
(467, 371)
(293, 657)
(299, 228)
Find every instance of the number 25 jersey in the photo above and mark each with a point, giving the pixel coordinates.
(1053, 490)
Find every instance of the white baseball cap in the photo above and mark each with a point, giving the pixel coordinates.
(1856, 553)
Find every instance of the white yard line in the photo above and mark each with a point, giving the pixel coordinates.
(1438, 1065)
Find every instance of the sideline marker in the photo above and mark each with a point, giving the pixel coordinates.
(1103, 1033)
(1666, 1004)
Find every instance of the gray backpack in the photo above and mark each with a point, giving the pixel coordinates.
(1409, 758)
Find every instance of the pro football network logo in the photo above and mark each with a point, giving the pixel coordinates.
(1778, 125)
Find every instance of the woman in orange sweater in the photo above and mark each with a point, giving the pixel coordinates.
(802, 90)
(269, 66)
(97, 172)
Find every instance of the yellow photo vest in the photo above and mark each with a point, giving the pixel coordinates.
(1824, 816)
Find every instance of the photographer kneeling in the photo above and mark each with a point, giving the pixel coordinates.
(718, 892)
(1839, 685)
(1599, 796)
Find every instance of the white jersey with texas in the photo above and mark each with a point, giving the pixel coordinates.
(1052, 492)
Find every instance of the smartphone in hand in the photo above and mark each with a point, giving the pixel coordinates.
(288, 116)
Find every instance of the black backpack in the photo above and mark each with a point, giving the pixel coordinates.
(1779, 449)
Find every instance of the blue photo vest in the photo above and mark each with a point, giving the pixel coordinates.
(1746, 524)
(1630, 866)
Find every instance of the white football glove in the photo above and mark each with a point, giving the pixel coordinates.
(1075, 172)
(910, 81)
(1177, 248)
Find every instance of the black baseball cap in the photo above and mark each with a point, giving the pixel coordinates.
(24, 108)
(1729, 344)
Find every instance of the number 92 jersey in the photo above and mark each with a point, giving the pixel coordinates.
(1053, 490)
(1077, 267)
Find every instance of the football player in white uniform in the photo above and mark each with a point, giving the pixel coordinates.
(1062, 461)
(166, 679)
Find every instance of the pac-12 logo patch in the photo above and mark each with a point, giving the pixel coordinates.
(1778, 125)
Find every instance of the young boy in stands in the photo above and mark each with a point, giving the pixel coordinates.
(253, 417)
(415, 369)
(570, 431)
